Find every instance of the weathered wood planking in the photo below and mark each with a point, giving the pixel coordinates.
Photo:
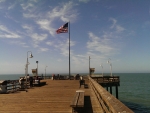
(81, 100)
(55, 97)
(106, 99)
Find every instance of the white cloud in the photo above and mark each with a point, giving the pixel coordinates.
(11, 6)
(27, 27)
(119, 28)
(49, 43)
(27, 6)
(44, 49)
(38, 38)
(23, 44)
(2, 1)
(64, 12)
(63, 46)
(5, 33)
(29, 15)
(101, 45)
(115, 26)
(45, 24)
(85, 1)
(146, 25)
(114, 22)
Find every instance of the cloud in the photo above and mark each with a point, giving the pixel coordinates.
(44, 49)
(100, 45)
(114, 22)
(38, 38)
(85, 1)
(45, 24)
(119, 29)
(146, 25)
(11, 6)
(23, 44)
(64, 12)
(2, 1)
(27, 27)
(29, 6)
(29, 15)
(63, 46)
(49, 43)
(115, 26)
(5, 33)
(108, 43)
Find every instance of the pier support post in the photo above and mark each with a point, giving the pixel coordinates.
(111, 89)
(107, 88)
(117, 92)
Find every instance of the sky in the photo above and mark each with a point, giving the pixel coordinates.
(114, 30)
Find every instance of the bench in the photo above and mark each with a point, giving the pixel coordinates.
(39, 83)
(78, 102)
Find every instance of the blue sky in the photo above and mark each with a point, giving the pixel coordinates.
(102, 29)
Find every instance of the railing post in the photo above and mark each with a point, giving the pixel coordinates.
(13, 85)
(116, 91)
(110, 89)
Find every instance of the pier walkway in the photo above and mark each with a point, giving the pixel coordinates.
(54, 97)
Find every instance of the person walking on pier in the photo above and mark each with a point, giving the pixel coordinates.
(31, 81)
(81, 81)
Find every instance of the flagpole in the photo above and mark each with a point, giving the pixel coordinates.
(69, 48)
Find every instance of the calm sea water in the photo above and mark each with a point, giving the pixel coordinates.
(134, 89)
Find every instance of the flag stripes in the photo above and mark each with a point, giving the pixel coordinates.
(63, 29)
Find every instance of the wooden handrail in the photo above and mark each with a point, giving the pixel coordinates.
(107, 79)
(109, 103)
(14, 85)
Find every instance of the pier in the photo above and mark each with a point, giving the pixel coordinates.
(56, 97)
(108, 82)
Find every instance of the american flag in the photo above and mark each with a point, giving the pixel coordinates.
(63, 29)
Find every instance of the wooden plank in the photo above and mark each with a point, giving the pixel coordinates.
(81, 100)
(113, 104)
(100, 100)
(54, 97)
(75, 100)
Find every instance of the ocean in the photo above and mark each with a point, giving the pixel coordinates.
(134, 89)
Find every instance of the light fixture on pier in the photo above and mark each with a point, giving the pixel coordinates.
(37, 68)
(31, 56)
(102, 69)
(110, 65)
(45, 71)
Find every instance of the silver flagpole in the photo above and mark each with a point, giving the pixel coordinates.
(69, 47)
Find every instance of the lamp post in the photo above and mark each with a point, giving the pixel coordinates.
(45, 71)
(110, 65)
(37, 68)
(27, 65)
(102, 69)
(89, 65)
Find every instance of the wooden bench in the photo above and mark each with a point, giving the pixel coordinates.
(40, 83)
(78, 102)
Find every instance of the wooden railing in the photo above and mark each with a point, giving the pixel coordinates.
(114, 80)
(108, 102)
(13, 85)
(61, 77)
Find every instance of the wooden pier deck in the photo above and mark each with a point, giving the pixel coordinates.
(54, 97)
